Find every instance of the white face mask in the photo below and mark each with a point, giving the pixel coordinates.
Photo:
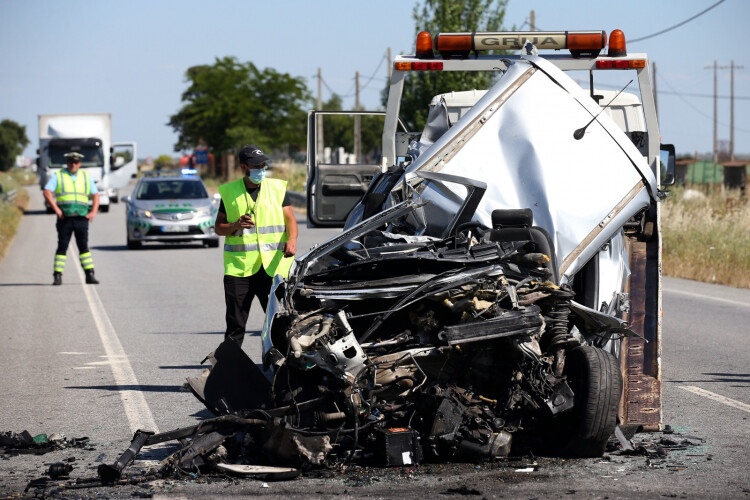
(256, 175)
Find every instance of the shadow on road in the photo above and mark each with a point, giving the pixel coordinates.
(146, 248)
(258, 332)
(184, 367)
(141, 388)
(717, 378)
(25, 284)
(37, 212)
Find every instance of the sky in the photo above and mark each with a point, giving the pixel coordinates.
(129, 58)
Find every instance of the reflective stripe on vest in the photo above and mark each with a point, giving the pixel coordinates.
(72, 196)
(246, 250)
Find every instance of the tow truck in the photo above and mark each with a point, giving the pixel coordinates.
(345, 193)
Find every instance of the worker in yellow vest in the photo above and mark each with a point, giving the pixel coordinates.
(260, 230)
(68, 193)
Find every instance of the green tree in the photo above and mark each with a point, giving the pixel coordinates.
(230, 103)
(164, 162)
(13, 140)
(339, 130)
(447, 16)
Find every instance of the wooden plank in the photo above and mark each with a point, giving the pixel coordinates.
(640, 362)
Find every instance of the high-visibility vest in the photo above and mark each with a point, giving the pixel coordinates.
(73, 196)
(247, 249)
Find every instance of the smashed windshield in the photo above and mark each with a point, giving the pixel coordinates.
(405, 227)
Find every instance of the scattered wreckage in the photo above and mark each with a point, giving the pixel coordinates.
(472, 308)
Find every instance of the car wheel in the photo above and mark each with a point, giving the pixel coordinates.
(594, 375)
(104, 208)
(212, 243)
(134, 245)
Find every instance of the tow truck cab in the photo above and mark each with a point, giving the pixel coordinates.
(344, 189)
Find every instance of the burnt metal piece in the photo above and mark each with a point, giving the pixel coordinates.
(110, 474)
(398, 446)
(526, 321)
(224, 389)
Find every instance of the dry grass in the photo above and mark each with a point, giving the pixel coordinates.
(11, 213)
(707, 237)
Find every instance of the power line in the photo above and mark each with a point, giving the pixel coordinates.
(696, 109)
(676, 25)
(350, 92)
(678, 94)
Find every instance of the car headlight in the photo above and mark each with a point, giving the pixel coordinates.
(207, 211)
(138, 212)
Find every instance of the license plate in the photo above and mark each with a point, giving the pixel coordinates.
(174, 229)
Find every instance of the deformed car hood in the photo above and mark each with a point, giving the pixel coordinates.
(518, 139)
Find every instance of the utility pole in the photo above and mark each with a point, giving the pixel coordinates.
(532, 21)
(390, 66)
(656, 100)
(731, 67)
(357, 123)
(716, 139)
(319, 142)
(731, 111)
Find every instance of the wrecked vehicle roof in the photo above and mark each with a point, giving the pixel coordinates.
(519, 139)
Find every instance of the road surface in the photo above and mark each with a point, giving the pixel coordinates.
(102, 361)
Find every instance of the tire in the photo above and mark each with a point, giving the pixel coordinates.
(134, 245)
(104, 208)
(594, 375)
(212, 243)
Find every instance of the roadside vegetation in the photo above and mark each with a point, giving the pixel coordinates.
(11, 212)
(295, 174)
(707, 237)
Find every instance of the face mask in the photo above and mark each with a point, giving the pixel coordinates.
(257, 175)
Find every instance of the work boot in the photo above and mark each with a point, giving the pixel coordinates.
(57, 277)
(90, 279)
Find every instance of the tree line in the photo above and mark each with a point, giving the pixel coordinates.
(231, 103)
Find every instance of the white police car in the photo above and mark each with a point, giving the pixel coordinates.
(171, 206)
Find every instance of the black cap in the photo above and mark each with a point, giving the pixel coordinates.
(73, 156)
(253, 155)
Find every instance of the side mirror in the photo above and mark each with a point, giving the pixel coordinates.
(216, 199)
(666, 164)
(125, 199)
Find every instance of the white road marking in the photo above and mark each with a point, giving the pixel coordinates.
(709, 297)
(716, 397)
(71, 352)
(136, 409)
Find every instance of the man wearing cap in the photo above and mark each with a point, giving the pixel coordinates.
(67, 193)
(257, 220)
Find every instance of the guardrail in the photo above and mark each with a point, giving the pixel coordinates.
(10, 196)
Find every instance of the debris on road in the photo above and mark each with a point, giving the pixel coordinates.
(13, 443)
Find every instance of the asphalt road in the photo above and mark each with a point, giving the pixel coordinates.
(102, 361)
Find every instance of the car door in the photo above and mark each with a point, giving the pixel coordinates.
(124, 164)
(344, 151)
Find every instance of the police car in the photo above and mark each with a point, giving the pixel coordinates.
(171, 206)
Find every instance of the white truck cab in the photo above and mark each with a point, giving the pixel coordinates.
(531, 164)
(111, 165)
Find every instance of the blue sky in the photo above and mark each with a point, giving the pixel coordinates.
(129, 58)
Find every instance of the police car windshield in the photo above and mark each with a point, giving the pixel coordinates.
(171, 189)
